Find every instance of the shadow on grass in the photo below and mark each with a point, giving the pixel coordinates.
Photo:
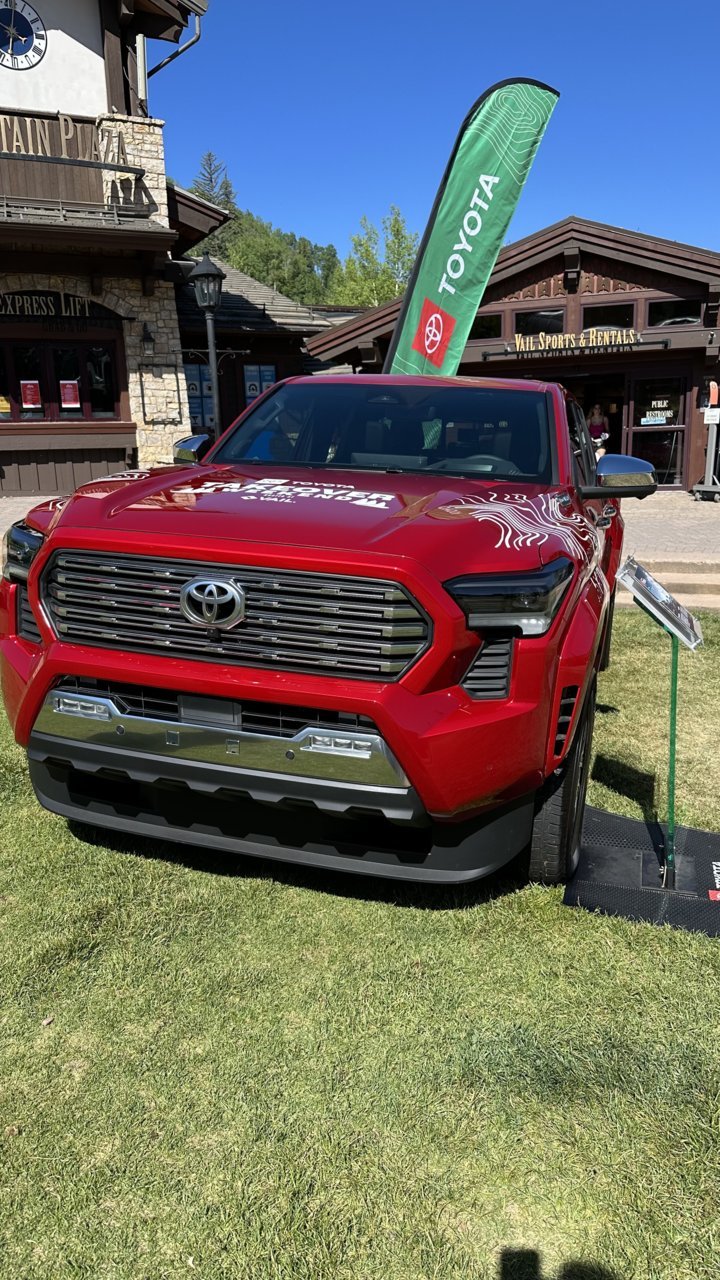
(627, 781)
(346, 884)
(524, 1264)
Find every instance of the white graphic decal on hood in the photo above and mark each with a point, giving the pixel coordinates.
(127, 475)
(267, 490)
(525, 522)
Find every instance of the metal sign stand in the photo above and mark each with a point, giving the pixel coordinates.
(624, 869)
(669, 872)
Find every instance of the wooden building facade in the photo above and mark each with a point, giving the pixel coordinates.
(628, 322)
(91, 374)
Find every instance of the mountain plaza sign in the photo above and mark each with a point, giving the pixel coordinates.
(62, 137)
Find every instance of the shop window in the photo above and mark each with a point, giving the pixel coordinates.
(611, 315)
(5, 403)
(58, 382)
(99, 365)
(674, 311)
(486, 326)
(67, 380)
(31, 385)
(529, 322)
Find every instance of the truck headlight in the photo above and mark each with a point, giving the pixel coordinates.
(20, 545)
(524, 602)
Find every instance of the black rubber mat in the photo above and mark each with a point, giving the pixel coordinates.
(620, 870)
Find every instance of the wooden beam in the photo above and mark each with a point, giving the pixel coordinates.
(113, 54)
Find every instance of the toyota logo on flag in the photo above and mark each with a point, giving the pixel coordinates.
(433, 334)
(213, 602)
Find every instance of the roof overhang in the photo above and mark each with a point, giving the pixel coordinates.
(191, 217)
(160, 19)
(94, 241)
(666, 257)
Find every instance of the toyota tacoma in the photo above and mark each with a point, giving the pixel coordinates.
(361, 631)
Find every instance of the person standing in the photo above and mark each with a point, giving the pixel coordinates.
(599, 428)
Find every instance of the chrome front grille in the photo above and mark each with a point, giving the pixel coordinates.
(314, 622)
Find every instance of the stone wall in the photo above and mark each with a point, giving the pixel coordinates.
(156, 384)
(145, 150)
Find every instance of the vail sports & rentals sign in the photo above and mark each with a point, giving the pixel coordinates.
(478, 194)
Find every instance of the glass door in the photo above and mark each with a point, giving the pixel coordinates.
(657, 425)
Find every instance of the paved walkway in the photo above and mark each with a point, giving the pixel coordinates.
(672, 526)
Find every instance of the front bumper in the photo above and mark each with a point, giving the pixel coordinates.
(335, 770)
(199, 805)
(336, 799)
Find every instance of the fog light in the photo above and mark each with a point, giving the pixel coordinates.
(336, 744)
(86, 708)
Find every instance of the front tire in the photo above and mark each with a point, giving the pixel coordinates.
(557, 827)
(607, 634)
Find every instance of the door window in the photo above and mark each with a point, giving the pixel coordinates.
(658, 402)
(582, 447)
(664, 449)
(658, 433)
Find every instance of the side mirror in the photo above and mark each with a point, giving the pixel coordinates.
(620, 476)
(192, 449)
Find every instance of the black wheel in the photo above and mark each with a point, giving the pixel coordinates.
(607, 634)
(557, 826)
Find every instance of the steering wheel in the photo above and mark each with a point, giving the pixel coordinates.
(507, 467)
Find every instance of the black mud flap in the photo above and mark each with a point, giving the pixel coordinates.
(620, 874)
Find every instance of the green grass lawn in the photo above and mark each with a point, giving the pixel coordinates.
(223, 1069)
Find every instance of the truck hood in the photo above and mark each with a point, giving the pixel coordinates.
(449, 523)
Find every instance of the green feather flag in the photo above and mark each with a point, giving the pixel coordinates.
(477, 198)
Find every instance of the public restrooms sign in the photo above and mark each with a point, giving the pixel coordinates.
(473, 207)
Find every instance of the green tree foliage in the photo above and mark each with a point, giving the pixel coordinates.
(370, 275)
(212, 183)
(307, 272)
(291, 264)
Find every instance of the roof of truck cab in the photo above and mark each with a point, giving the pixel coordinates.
(420, 380)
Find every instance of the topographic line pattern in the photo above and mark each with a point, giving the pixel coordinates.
(524, 522)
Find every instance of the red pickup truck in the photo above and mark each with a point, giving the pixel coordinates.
(361, 631)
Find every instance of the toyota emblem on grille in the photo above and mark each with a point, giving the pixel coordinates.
(213, 602)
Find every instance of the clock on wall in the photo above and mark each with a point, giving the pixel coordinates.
(23, 38)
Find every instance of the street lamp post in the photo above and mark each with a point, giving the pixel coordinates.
(207, 280)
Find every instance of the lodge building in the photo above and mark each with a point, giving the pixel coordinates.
(624, 320)
(91, 369)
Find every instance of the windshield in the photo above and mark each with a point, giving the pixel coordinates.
(465, 430)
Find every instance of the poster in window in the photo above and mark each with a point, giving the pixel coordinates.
(192, 374)
(5, 407)
(30, 397)
(252, 382)
(70, 393)
(268, 376)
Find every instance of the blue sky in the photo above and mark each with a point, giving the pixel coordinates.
(326, 111)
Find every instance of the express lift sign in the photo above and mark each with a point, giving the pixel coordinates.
(56, 311)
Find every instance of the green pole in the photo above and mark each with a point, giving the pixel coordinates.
(670, 849)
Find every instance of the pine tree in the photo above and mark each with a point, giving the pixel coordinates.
(213, 184)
